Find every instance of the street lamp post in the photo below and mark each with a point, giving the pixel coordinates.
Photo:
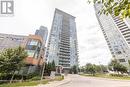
(100, 67)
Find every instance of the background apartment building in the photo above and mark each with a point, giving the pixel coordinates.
(33, 44)
(11, 41)
(43, 32)
(62, 43)
(116, 33)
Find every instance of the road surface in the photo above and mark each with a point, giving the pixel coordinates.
(82, 81)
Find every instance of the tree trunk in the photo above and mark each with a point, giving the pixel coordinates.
(12, 77)
(118, 72)
(21, 79)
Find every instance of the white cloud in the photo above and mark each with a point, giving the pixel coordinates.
(30, 14)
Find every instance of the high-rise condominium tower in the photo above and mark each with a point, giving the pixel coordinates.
(117, 34)
(62, 44)
(43, 32)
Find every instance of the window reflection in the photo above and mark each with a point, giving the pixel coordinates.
(33, 42)
(33, 48)
(30, 53)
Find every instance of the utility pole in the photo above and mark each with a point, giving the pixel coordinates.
(44, 64)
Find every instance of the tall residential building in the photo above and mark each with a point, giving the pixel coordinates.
(43, 32)
(117, 34)
(62, 44)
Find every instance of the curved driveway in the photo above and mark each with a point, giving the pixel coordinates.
(81, 81)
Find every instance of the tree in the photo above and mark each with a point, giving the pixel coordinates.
(20, 55)
(123, 69)
(117, 67)
(53, 68)
(74, 69)
(93, 68)
(115, 6)
(90, 68)
(5, 57)
(104, 68)
(50, 66)
(129, 62)
(46, 69)
(82, 69)
(11, 60)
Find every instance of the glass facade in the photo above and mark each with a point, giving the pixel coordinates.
(43, 32)
(62, 44)
(33, 48)
(114, 30)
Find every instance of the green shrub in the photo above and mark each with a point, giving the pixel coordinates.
(59, 78)
(57, 74)
(35, 78)
(117, 75)
(31, 75)
(62, 77)
(8, 76)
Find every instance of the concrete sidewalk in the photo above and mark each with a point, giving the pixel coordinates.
(67, 79)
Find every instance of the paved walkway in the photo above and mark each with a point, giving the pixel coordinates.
(66, 80)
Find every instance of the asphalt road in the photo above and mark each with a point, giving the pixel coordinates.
(81, 81)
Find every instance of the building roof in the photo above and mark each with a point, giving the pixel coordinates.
(62, 12)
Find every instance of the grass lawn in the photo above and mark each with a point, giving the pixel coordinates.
(59, 78)
(107, 76)
(31, 83)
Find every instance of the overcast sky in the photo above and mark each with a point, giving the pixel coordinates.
(29, 15)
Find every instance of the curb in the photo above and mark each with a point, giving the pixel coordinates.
(63, 83)
(56, 83)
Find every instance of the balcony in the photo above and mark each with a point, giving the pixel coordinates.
(64, 60)
(61, 51)
(127, 36)
(122, 26)
(126, 33)
(64, 55)
(127, 30)
(64, 46)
